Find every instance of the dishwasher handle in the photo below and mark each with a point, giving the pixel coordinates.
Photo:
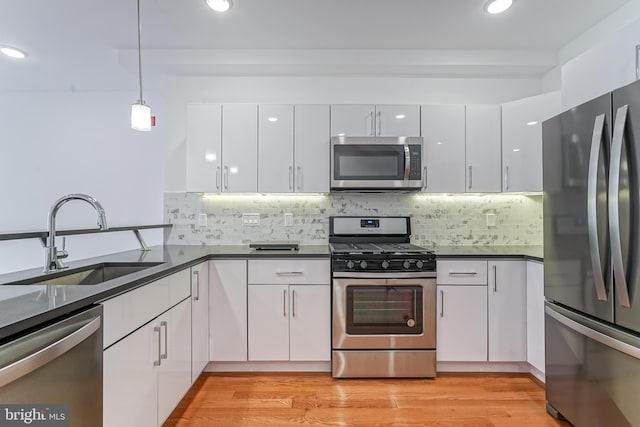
(33, 361)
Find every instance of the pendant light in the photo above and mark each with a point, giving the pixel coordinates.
(140, 111)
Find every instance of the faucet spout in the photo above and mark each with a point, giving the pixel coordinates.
(53, 257)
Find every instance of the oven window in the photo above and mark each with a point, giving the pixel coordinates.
(375, 310)
(364, 162)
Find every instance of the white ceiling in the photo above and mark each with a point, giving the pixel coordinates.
(79, 45)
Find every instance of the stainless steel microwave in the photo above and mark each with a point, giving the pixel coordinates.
(372, 163)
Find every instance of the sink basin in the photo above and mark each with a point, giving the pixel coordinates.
(88, 275)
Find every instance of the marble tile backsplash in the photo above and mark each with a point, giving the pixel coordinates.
(436, 220)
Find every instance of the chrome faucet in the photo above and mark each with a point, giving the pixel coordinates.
(53, 257)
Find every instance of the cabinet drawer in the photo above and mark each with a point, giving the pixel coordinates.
(289, 271)
(450, 272)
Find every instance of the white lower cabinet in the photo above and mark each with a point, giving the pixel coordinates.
(199, 318)
(149, 371)
(507, 311)
(228, 310)
(289, 322)
(462, 323)
(535, 315)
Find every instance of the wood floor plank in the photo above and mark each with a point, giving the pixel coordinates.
(274, 399)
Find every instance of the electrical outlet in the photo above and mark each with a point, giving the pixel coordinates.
(202, 220)
(491, 220)
(250, 219)
(288, 220)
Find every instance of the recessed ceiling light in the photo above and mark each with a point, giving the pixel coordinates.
(497, 6)
(13, 52)
(219, 5)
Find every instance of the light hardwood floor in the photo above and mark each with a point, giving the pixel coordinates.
(315, 399)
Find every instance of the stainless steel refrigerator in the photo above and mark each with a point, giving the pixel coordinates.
(591, 186)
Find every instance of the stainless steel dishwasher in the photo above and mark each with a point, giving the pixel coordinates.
(58, 364)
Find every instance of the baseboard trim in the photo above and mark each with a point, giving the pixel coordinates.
(518, 367)
(268, 367)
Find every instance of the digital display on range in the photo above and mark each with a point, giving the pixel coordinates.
(369, 223)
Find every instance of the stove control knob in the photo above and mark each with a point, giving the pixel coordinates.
(419, 264)
(406, 264)
(385, 264)
(350, 264)
(363, 264)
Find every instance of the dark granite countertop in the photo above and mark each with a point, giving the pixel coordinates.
(26, 306)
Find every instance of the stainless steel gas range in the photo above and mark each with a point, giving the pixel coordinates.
(384, 300)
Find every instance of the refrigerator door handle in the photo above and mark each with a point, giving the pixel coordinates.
(614, 207)
(592, 198)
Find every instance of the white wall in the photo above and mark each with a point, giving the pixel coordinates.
(62, 142)
(323, 90)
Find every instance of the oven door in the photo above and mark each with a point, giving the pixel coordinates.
(376, 163)
(381, 313)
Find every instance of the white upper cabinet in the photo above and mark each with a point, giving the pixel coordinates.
(522, 141)
(240, 147)
(483, 149)
(444, 148)
(312, 144)
(275, 148)
(204, 147)
(375, 120)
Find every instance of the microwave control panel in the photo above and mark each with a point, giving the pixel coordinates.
(415, 151)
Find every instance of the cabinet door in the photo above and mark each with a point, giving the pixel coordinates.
(507, 311)
(522, 141)
(462, 323)
(130, 380)
(275, 148)
(353, 120)
(240, 147)
(310, 323)
(228, 310)
(535, 315)
(200, 318)
(397, 120)
(268, 322)
(174, 373)
(444, 148)
(483, 148)
(312, 145)
(204, 147)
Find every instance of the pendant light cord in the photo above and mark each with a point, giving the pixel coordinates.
(139, 56)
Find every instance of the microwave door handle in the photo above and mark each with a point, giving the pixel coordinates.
(614, 207)
(592, 197)
(407, 162)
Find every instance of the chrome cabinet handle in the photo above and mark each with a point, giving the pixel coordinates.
(289, 273)
(226, 177)
(217, 177)
(284, 303)
(506, 177)
(441, 303)
(158, 362)
(290, 177)
(614, 207)
(379, 123)
(166, 341)
(462, 273)
(293, 303)
(373, 132)
(495, 279)
(470, 177)
(299, 178)
(197, 276)
(592, 199)
(30, 363)
(424, 178)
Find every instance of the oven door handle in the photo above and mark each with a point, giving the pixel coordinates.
(385, 275)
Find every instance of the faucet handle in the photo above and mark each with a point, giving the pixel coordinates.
(63, 253)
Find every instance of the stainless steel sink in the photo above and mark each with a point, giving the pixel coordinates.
(88, 275)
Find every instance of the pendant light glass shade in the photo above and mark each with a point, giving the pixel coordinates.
(140, 116)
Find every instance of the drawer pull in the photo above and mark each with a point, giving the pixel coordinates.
(289, 273)
(462, 273)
